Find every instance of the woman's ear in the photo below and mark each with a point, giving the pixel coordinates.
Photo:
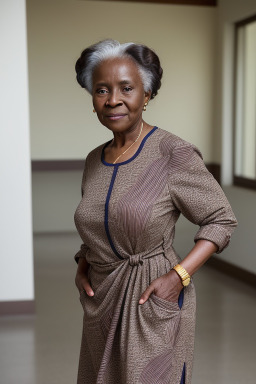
(147, 96)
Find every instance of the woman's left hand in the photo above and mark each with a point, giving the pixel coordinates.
(166, 287)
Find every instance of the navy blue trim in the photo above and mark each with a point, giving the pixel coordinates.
(106, 212)
(133, 157)
(181, 298)
(183, 376)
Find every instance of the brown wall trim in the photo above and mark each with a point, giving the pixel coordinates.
(243, 182)
(233, 271)
(78, 165)
(17, 307)
(205, 3)
(246, 21)
(57, 165)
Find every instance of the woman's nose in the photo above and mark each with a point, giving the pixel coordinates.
(113, 99)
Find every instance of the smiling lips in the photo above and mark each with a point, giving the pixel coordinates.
(116, 116)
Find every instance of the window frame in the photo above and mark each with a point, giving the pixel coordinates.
(239, 180)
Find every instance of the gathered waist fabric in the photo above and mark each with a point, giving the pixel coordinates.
(137, 259)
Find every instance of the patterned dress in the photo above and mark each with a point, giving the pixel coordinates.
(126, 220)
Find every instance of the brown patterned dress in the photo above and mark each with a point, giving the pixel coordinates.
(126, 219)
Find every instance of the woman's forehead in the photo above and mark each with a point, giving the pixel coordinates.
(119, 70)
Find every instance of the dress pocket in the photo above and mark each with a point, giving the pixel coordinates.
(165, 304)
(169, 305)
(162, 319)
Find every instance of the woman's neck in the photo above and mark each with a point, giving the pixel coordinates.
(124, 139)
(114, 152)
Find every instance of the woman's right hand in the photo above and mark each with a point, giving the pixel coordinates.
(81, 279)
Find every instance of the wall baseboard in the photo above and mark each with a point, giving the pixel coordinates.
(78, 165)
(26, 307)
(232, 271)
(57, 165)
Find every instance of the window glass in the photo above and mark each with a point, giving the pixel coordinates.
(245, 102)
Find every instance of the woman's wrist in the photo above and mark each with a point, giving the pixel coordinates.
(82, 265)
(183, 274)
(175, 277)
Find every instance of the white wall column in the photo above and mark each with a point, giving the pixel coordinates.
(16, 256)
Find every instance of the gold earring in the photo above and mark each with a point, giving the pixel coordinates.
(145, 107)
(94, 111)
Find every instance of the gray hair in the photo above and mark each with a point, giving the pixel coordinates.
(110, 49)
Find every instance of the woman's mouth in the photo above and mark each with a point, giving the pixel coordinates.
(116, 116)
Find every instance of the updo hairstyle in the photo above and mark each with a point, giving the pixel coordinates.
(146, 60)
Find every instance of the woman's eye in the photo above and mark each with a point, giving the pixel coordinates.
(127, 89)
(101, 91)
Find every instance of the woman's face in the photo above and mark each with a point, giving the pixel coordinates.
(118, 94)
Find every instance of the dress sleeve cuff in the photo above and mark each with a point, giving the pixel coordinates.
(214, 233)
(82, 253)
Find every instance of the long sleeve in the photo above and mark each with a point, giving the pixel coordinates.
(198, 196)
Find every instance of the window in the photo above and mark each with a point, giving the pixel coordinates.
(245, 104)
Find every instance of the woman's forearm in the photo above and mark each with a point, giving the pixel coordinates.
(82, 265)
(198, 255)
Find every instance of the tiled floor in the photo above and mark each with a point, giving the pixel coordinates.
(44, 349)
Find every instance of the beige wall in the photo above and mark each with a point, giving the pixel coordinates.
(62, 123)
(235, 10)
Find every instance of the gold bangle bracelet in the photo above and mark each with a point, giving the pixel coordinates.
(183, 274)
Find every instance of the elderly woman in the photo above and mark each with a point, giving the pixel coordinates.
(137, 294)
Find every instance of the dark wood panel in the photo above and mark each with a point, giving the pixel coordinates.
(245, 183)
(57, 165)
(232, 271)
(205, 3)
(17, 307)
